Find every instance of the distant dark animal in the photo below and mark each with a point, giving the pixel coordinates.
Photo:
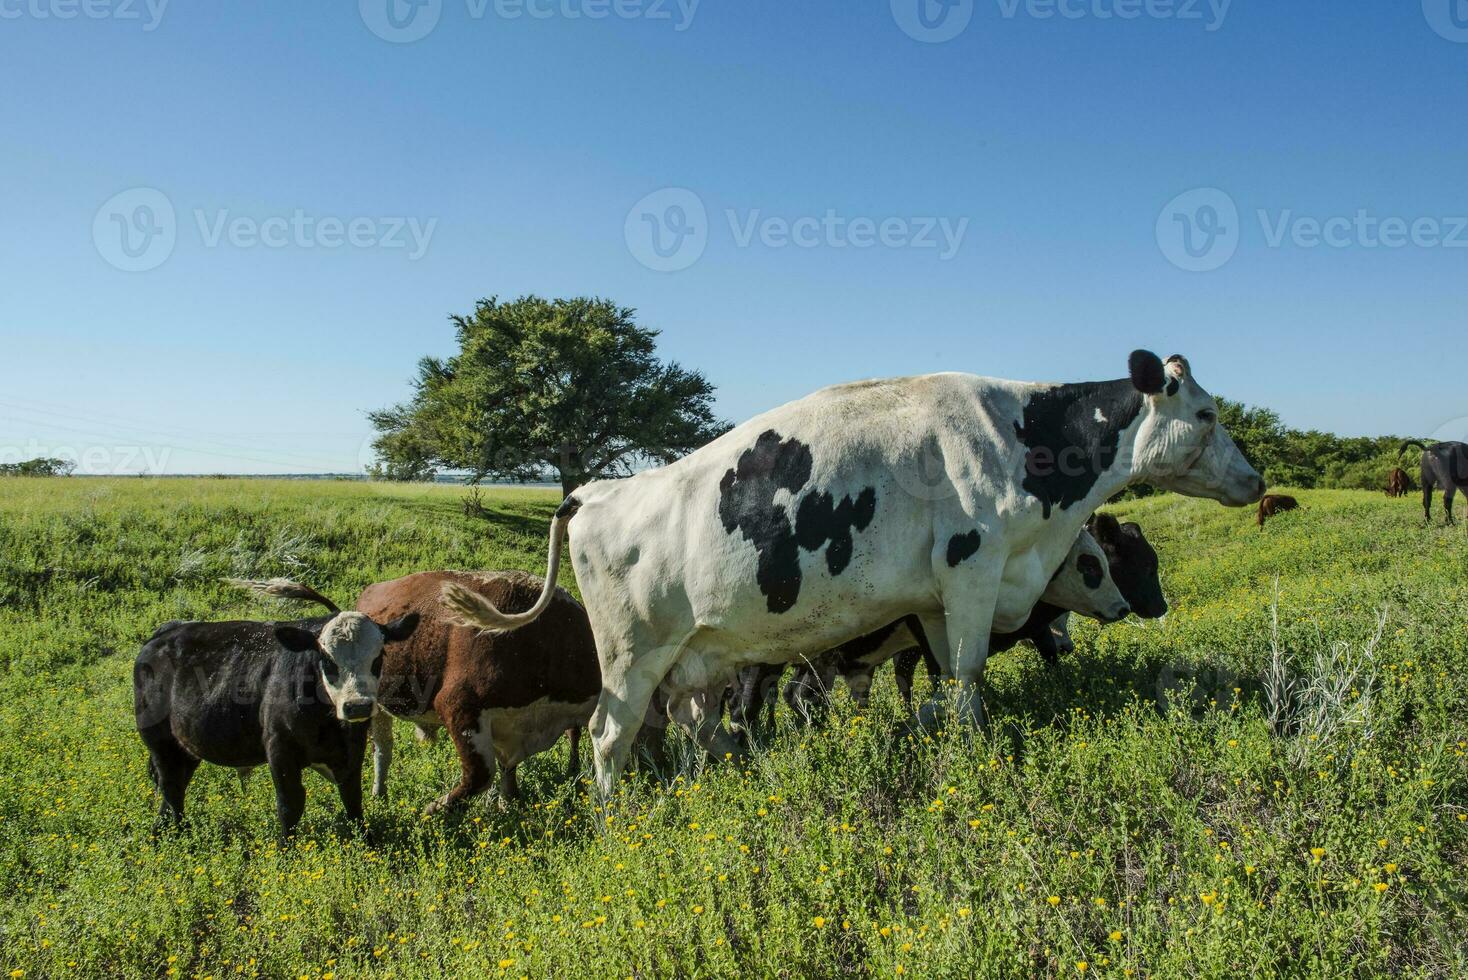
(1444, 466)
(1397, 484)
(1275, 503)
(502, 696)
(290, 695)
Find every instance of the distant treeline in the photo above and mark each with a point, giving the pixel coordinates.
(1292, 458)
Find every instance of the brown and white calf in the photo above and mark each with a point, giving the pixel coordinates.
(503, 697)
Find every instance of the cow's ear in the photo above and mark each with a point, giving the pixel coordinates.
(400, 628)
(295, 639)
(1145, 368)
(1104, 527)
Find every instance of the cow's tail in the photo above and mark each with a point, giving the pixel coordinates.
(1410, 442)
(473, 609)
(283, 588)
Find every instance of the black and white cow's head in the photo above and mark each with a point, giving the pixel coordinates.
(1179, 444)
(350, 650)
(1083, 583)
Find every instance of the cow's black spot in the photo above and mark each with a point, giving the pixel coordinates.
(1172, 386)
(820, 519)
(747, 504)
(1090, 569)
(962, 546)
(1071, 433)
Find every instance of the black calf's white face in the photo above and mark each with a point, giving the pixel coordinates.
(1083, 583)
(1181, 446)
(350, 646)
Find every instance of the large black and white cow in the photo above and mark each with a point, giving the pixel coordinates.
(291, 695)
(949, 496)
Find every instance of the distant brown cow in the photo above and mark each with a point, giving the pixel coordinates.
(503, 697)
(1398, 484)
(1275, 503)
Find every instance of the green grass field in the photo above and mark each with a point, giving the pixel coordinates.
(1132, 814)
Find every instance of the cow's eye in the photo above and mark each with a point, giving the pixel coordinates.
(1208, 416)
(329, 669)
(377, 666)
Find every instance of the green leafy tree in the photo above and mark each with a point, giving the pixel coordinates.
(569, 386)
(40, 466)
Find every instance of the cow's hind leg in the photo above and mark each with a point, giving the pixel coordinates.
(474, 742)
(573, 763)
(381, 752)
(903, 668)
(631, 674)
(1427, 488)
(1448, 503)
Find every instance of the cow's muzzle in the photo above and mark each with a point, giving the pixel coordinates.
(357, 710)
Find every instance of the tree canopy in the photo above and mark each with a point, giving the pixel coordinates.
(40, 466)
(565, 386)
(1310, 458)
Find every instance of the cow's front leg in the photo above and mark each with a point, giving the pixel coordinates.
(349, 787)
(381, 751)
(290, 793)
(969, 591)
(968, 638)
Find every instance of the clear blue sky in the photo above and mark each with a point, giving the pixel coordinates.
(524, 142)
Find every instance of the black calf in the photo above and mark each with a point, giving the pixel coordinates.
(247, 694)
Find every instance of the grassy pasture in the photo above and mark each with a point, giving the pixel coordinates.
(1130, 815)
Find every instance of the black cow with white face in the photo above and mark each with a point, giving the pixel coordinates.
(290, 695)
(1444, 467)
